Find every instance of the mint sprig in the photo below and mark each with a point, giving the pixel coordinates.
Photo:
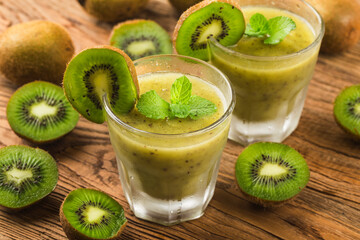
(182, 105)
(274, 30)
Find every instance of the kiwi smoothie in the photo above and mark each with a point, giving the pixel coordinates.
(270, 81)
(166, 164)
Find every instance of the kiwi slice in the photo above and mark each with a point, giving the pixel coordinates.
(95, 72)
(271, 173)
(347, 110)
(40, 112)
(140, 38)
(221, 19)
(26, 176)
(91, 214)
(35, 50)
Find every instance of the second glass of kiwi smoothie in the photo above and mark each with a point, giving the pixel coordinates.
(270, 81)
(168, 168)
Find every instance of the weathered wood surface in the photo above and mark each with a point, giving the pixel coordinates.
(329, 208)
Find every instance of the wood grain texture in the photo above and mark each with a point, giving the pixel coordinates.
(328, 208)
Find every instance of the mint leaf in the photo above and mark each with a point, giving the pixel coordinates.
(279, 28)
(258, 26)
(200, 107)
(179, 110)
(181, 91)
(153, 106)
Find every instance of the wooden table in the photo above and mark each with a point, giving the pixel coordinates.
(328, 208)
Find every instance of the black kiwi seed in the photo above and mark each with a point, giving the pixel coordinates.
(271, 173)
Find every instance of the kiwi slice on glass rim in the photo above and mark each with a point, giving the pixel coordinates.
(91, 214)
(40, 112)
(95, 72)
(271, 173)
(26, 176)
(140, 38)
(347, 110)
(220, 19)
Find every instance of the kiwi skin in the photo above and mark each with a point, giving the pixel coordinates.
(113, 10)
(182, 5)
(35, 50)
(342, 24)
(73, 234)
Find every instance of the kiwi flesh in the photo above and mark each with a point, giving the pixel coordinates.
(220, 19)
(113, 10)
(270, 174)
(140, 38)
(26, 176)
(347, 110)
(98, 71)
(35, 50)
(182, 5)
(91, 214)
(39, 112)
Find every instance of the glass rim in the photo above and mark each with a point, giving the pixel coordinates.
(282, 57)
(223, 117)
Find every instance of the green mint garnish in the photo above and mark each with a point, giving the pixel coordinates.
(274, 29)
(182, 104)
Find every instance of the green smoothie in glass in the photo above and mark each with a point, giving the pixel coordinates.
(168, 167)
(270, 81)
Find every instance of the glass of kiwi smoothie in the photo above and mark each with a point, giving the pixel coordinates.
(270, 81)
(168, 168)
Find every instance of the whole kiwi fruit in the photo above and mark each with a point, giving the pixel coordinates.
(35, 50)
(182, 5)
(113, 10)
(342, 24)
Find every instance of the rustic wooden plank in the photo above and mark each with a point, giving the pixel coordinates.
(327, 209)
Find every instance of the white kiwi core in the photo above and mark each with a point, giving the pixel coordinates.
(141, 47)
(94, 214)
(18, 175)
(272, 169)
(213, 29)
(42, 109)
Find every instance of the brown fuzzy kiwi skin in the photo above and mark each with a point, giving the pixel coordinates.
(73, 234)
(35, 50)
(128, 61)
(342, 24)
(182, 5)
(113, 10)
(265, 203)
(193, 9)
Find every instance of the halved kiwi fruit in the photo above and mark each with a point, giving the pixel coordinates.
(91, 214)
(347, 110)
(40, 112)
(113, 10)
(26, 176)
(221, 19)
(271, 173)
(35, 50)
(95, 72)
(140, 38)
